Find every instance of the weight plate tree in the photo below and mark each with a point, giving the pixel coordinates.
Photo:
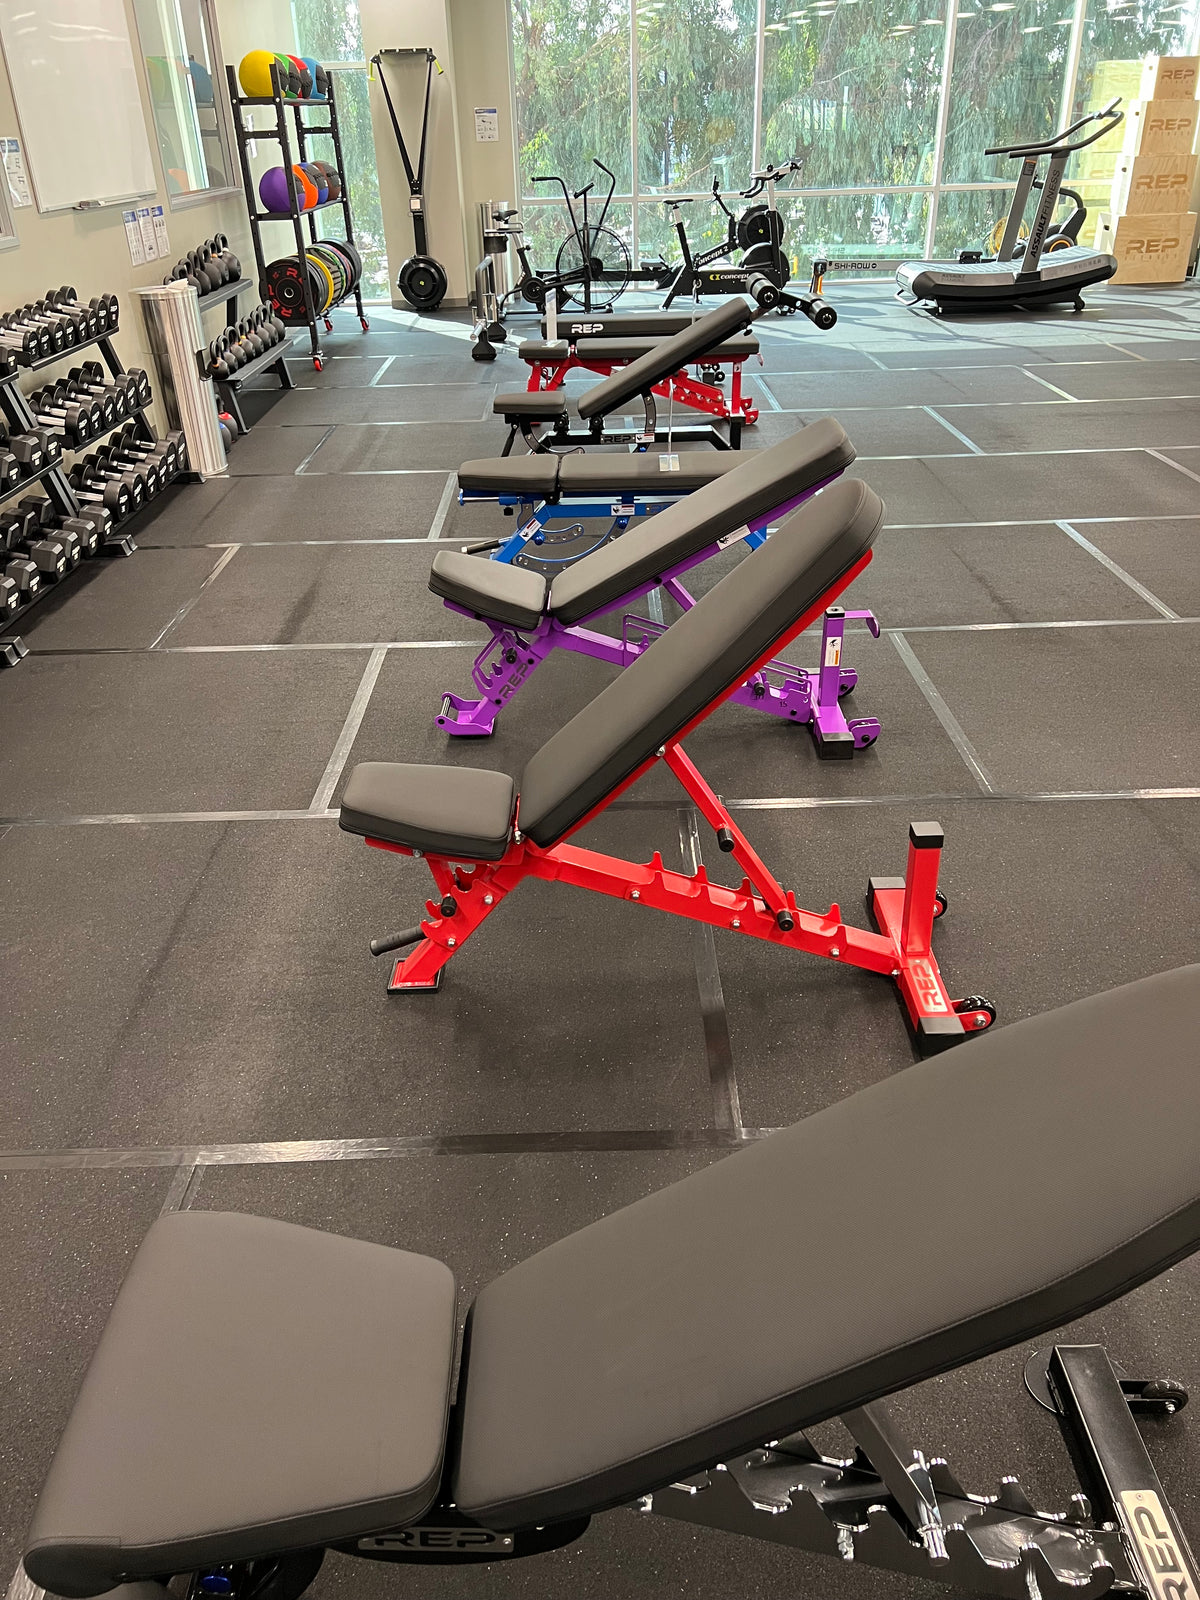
(308, 290)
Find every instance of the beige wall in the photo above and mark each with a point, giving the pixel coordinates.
(88, 249)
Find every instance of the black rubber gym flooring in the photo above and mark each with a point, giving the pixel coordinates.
(194, 1018)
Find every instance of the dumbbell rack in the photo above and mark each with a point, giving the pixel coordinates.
(272, 360)
(303, 133)
(19, 416)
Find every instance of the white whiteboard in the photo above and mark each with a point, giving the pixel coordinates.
(70, 63)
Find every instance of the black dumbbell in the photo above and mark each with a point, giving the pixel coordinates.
(48, 527)
(10, 596)
(112, 400)
(31, 342)
(80, 419)
(29, 452)
(100, 306)
(83, 531)
(107, 461)
(93, 524)
(21, 532)
(64, 330)
(153, 462)
(115, 495)
(135, 383)
(167, 449)
(25, 577)
(11, 470)
(83, 320)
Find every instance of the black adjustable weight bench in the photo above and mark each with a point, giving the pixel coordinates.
(480, 840)
(263, 1392)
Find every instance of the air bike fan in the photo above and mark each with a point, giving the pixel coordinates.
(422, 278)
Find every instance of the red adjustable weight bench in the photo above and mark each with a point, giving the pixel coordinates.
(481, 840)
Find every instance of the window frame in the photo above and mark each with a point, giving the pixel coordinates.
(189, 199)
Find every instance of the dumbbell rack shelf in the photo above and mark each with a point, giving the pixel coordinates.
(19, 417)
(303, 132)
(272, 360)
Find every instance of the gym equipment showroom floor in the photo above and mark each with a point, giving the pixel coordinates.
(195, 1019)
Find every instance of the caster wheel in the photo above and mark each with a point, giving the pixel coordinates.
(940, 904)
(328, 325)
(1160, 1396)
(510, 656)
(845, 689)
(366, 326)
(975, 1012)
(318, 364)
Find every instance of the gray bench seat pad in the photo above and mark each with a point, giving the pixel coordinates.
(966, 1204)
(493, 591)
(462, 812)
(537, 405)
(628, 349)
(751, 485)
(708, 650)
(543, 476)
(225, 1417)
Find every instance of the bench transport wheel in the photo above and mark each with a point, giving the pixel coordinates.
(974, 1011)
(423, 282)
(940, 904)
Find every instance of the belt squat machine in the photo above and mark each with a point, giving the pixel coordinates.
(480, 844)
(265, 1392)
(530, 618)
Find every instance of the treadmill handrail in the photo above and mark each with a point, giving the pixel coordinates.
(1054, 146)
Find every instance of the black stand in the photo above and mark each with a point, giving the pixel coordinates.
(272, 360)
(302, 133)
(19, 417)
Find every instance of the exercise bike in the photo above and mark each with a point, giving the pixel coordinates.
(590, 254)
(758, 232)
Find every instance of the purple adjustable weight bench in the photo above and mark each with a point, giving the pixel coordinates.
(529, 617)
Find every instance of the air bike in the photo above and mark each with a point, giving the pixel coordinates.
(1045, 269)
(265, 1392)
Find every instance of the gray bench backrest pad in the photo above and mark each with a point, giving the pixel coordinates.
(709, 649)
(641, 375)
(760, 482)
(959, 1207)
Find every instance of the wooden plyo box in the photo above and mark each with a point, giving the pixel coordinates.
(1170, 77)
(1161, 127)
(1150, 248)
(1144, 184)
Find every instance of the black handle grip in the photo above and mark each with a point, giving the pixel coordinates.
(818, 311)
(396, 941)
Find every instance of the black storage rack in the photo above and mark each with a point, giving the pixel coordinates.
(19, 417)
(272, 360)
(303, 132)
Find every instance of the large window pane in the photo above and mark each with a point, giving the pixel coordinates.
(695, 93)
(1006, 87)
(883, 227)
(968, 218)
(850, 89)
(333, 34)
(571, 90)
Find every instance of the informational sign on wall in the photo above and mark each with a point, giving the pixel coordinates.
(133, 237)
(18, 178)
(487, 125)
(160, 232)
(146, 224)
